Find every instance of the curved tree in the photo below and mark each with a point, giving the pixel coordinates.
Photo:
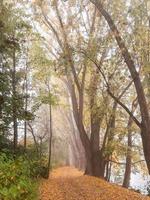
(144, 125)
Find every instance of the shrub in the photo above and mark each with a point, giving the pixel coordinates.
(15, 179)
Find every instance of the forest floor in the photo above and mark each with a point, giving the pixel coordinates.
(67, 183)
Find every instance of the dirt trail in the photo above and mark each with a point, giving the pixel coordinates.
(69, 184)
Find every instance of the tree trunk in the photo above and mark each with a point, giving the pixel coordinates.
(34, 138)
(127, 175)
(108, 170)
(86, 143)
(50, 138)
(84, 138)
(26, 108)
(96, 119)
(145, 124)
(108, 139)
(98, 160)
(15, 126)
(40, 148)
(77, 147)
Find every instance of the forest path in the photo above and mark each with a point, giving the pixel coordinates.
(68, 183)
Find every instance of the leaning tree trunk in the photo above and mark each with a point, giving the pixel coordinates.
(145, 124)
(79, 123)
(77, 146)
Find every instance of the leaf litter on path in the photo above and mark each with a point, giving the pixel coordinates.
(68, 183)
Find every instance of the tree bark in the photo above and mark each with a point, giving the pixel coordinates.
(96, 119)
